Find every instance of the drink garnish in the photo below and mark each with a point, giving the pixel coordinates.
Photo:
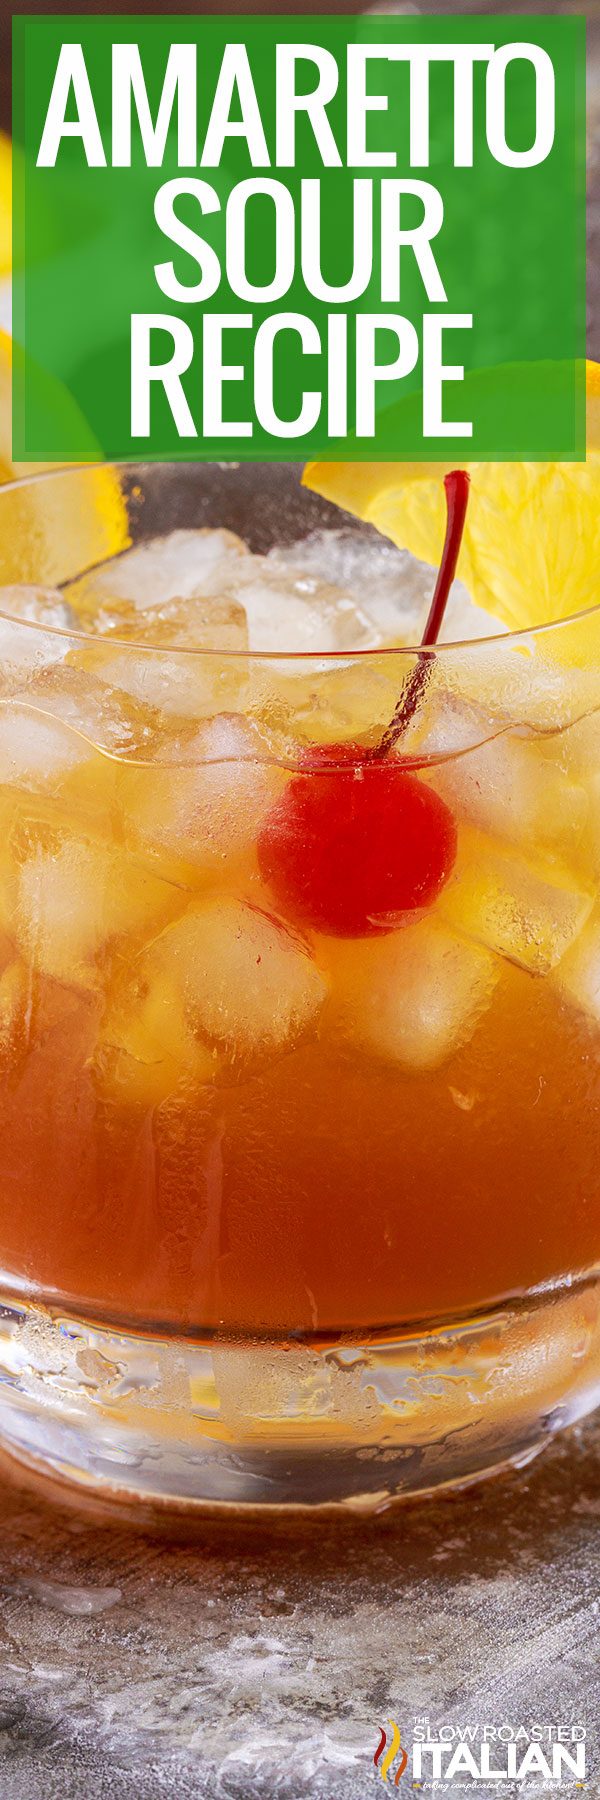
(456, 486)
(351, 849)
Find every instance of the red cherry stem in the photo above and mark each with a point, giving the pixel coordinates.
(456, 485)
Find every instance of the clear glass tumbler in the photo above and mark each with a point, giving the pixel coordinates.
(299, 1193)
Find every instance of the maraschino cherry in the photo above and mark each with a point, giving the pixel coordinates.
(357, 840)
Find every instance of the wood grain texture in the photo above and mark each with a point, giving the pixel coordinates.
(254, 1663)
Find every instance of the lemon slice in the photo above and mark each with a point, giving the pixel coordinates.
(531, 547)
(50, 531)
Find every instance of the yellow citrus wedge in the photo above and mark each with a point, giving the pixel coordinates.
(50, 531)
(531, 547)
(5, 205)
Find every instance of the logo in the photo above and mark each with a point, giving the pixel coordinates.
(472, 1755)
(383, 1763)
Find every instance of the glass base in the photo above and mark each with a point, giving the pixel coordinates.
(352, 1425)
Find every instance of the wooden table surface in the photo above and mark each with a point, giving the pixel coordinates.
(258, 1664)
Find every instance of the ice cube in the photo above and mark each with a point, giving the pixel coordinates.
(215, 623)
(331, 591)
(442, 726)
(73, 898)
(391, 590)
(527, 910)
(578, 975)
(507, 787)
(577, 751)
(577, 748)
(303, 615)
(324, 702)
(38, 606)
(46, 748)
(411, 998)
(185, 565)
(180, 685)
(25, 648)
(36, 752)
(250, 985)
(517, 684)
(204, 811)
(352, 560)
(146, 1048)
(94, 711)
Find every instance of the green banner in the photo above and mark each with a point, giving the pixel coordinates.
(276, 238)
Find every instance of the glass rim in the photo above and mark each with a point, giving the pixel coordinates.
(133, 646)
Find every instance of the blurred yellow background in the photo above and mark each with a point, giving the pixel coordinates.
(5, 204)
(8, 468)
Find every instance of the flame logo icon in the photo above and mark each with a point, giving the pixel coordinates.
(383, 1766)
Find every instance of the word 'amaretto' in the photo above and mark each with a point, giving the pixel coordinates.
(235, 112)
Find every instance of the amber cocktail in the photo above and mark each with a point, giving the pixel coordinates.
(299, 1076)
